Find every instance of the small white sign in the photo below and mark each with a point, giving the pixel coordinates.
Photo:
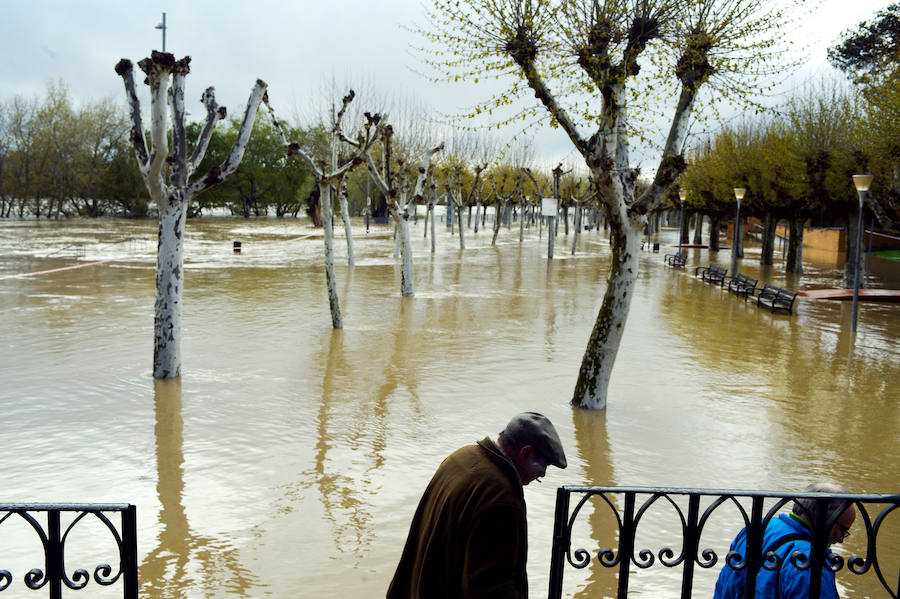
(548, 206)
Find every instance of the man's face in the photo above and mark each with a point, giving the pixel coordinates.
(841, 528)
(530, 465)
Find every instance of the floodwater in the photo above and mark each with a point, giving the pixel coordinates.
(289, 458)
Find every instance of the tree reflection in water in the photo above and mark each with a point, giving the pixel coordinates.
(183, 561)
(365, 384)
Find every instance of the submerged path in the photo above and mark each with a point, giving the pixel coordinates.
(74, 266)
(865, 295)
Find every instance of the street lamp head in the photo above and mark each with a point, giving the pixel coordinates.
(862, 182)
(739, 193)
(683, 195)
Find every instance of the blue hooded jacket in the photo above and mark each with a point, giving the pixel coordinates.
(785, 582)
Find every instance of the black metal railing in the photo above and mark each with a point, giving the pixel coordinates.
(624, 510)
(54, 525)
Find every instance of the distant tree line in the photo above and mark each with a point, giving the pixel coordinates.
(797, 164)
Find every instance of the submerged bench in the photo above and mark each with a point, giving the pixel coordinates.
(712, 273)
(742, 285)
(675, 260)
(776, 298)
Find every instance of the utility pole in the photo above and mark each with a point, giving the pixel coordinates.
(162, 25)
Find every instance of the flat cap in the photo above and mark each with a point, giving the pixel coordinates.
(531, 428)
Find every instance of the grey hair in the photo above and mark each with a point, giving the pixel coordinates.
(809, 507)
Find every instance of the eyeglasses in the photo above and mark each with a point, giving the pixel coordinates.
(845, 530)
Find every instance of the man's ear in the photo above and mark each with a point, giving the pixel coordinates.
(527, 452)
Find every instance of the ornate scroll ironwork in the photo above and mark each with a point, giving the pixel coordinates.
(631, 506)
(53, 538)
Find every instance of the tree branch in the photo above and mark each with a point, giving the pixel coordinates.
(217, 174)
(672, 163)
(125, 69)
(214, 113)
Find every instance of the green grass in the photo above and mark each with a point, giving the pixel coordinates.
(888, 254)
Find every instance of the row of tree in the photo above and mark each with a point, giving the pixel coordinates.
(797, 164)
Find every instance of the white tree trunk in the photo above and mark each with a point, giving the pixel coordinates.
(477, 216)
(432, 229)
(396, 241)
(348, 233)
(462, 233)
(406, 271)
(499, 207)
(577, 227)
(169, 288)
(333, 302)
(522, 224)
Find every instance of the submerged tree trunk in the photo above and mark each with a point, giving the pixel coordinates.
(345, 216)
(169, 288)
(714, 226)
(591, 389)
(768, 239)
(462, 234)
(407, 283)
(522, 223)
(432, 227)
(795, 245)
(333, 301)
(577, 226)
(698, 229)
(497, 213)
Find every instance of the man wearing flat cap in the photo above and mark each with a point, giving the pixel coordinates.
(469, 538)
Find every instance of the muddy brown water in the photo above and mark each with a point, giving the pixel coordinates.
(289, 458)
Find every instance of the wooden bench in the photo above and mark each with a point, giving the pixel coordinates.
(776, 298)
(712, 273)
(675, 260)
(741, 285)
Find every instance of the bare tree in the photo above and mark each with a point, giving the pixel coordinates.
(402, 191)
(333, 179)
(172, 188)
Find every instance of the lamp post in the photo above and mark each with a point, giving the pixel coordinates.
(162, 25)
(862, 183)
(739, 193)
(682, 195)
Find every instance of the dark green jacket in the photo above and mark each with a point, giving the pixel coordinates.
(468, 538)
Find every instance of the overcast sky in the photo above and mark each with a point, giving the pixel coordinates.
(296, 46)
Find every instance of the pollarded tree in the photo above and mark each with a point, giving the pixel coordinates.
(402, 181)
(595, 48)
(329, 174)
(172, 188)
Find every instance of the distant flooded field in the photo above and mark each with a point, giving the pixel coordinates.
(289, 458)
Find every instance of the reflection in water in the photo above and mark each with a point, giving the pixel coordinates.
(345, 507)
(346, 491)
(183, 560)
(593, 448)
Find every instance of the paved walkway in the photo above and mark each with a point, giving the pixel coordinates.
(865, 295)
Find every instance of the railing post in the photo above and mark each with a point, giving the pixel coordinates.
(54, 555)
(129, 552)
(691, 543)
(753, 555)
(626, 545)
(818, 547)
(560, 543)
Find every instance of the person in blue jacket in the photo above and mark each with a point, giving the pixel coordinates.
(786, 534)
